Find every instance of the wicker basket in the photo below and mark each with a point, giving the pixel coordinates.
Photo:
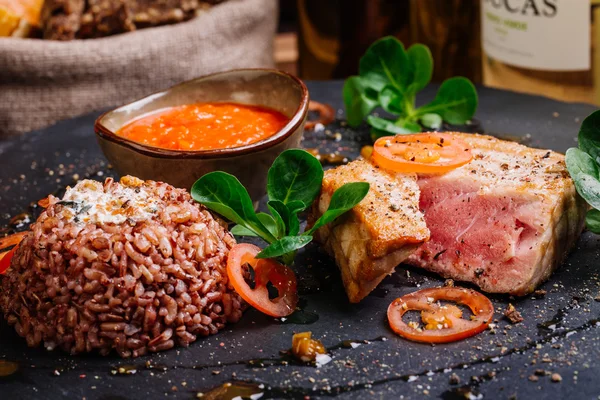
(42, 82)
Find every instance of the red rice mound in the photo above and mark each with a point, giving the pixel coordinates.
(142, 284)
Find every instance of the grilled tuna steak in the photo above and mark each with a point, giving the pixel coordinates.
(504, 221)
(379, 233)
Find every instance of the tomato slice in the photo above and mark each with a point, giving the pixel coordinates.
(425, 153)
(5, 259)
(6, 256)
(444, 322)
(265, 270)
(44, 203)
(12, 240)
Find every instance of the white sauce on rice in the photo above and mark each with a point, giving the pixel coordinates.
(87, 202)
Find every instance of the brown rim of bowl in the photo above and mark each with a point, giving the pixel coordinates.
(294, 123)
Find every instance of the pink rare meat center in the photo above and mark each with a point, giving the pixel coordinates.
(504, 221)
(478, 234)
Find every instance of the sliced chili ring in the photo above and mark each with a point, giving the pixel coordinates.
(425, 153)
(426, 301)
(325, 111)
(265, 270)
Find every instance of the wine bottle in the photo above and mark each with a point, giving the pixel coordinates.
(334, 34)
(542, 47)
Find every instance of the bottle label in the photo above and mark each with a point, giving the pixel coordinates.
(552, 35)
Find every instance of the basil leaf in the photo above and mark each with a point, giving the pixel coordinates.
(342, 200)
(433, 121)
(385, 125)
(421, 67)
(408, 125)
(385, 62)
(455, 102)
(224, 194)
(239, 230)
(359, 100)
(296, 206)
(294, 228)
(584, 171)
(280, 214)
(295, 175)
(294, 222)
(391, 100)
(592, 221)
(268, 221)
(288, 216)
(397, 75)
(589, 135)
(284, 245)
(271, 224)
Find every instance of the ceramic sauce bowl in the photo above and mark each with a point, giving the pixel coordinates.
(263, 87)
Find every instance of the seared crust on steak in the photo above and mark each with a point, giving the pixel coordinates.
(379, 233)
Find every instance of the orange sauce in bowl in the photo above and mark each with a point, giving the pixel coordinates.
(205, 126)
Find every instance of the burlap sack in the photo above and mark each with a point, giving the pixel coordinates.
(44, 81)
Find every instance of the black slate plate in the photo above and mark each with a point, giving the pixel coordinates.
(560, 333)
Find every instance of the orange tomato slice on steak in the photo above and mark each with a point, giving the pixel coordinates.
(425, 153)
